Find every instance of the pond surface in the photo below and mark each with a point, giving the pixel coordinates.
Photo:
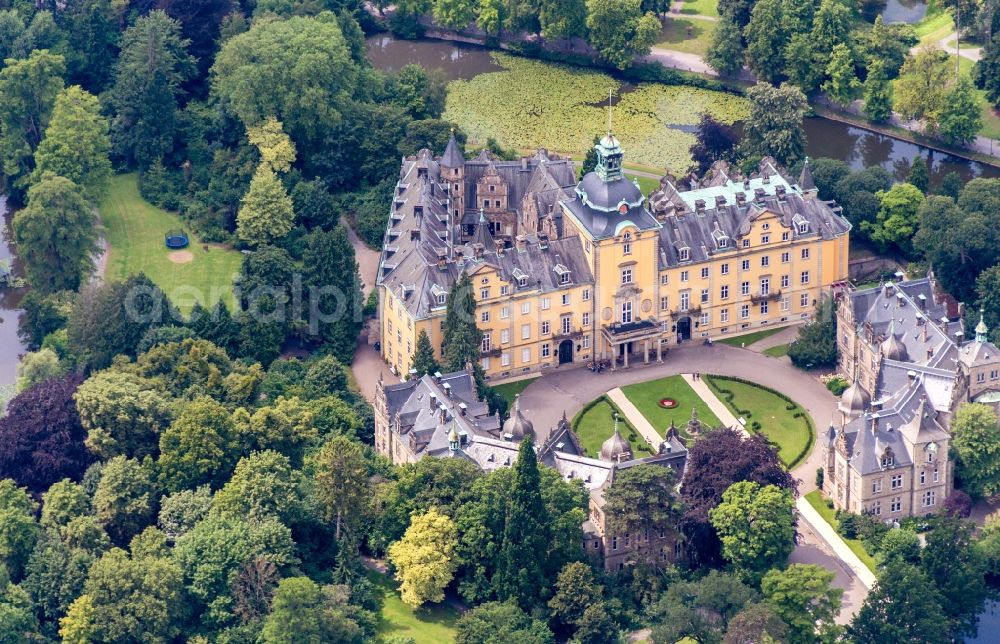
(825, 138)
(11, 347)
(909, 11)
(989, 624)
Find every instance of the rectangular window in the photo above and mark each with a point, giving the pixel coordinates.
(804, 300)
(763, 307)
(545, 328)
(706, 319)
(504, 289)
(505, 313)
(586, 318)
(504, 336)
(566, 322)
(724, 269)
(745, 311)
(546, 350)
(896, 481)
(664, 279)
(724, 316)
(626, 276)
(936, 475)
(923, 477)
(626, 312)
(627, 248)
(526, 354)
(876, 486)
(745, 265)
(586, 295)
(525, 308)
(765, 261)
(487, 342)
(704, 296)
(765, 285)
(565, 299)
(505, 359)
(586, 342)
(746, 243)
(546, 303)
(784, 236)
(704, 273)
(981, 377)
(484, 293)
(784, 258)
(804, 278)
(664, 303)
(724, 292)
(685, 301)
(684, 276)
(525, 331)
(786, 303)
(805, 253)
(877, 508)
(928, 500)
(765, 239)
(484, 316)
(744, 288)
(895, 505)
(785, 281)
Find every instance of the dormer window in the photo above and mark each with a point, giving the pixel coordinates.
(521, 277)
(804, 227)
(522, 281)
(684, 254)
(562, 272)
(442, 298)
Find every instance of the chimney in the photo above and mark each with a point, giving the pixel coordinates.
(499, 246)
(444, 413)
(899, 300)
(442, 259)
(462, 408)
(780, 191)
(746, 184)
(524, 163)
(447, 389)
(543, 241)
(911, 375)
(521, 243)
(437, 377)
(418, 211)
(741, 198)
(922, 301)
(874, 424)
(433, 400)
(720, 200)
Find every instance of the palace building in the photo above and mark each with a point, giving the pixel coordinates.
(910, 368)
(441, 416)
(571, 272)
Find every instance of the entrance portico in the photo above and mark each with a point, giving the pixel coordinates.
(623, 339)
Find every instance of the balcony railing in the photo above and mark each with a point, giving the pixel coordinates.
(772, 296)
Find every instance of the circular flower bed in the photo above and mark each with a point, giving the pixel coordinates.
(668, 403)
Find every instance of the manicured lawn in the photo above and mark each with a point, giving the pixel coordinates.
(646, 184)
(510, 389)
(426, 625)
(816, 500)
(749, 338)
(135, 231)
(701, 7)
(777, 352)
(646, 397)
(595, 425)
(792, 435)
(674, 35)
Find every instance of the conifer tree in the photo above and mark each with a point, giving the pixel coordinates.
(842, 83)
(878, 93)
(462, 338)
(725, 53)
(521, 573)
(423, 357)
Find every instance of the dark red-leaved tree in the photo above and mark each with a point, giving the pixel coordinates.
(41, 439)
(717, 460)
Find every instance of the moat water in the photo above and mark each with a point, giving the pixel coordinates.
(11, 347)
(825, 138)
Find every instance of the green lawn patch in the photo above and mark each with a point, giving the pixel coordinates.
(135, 230)
(789, 429)
(646, 184)
(646, 397)
(675, 35)
(815, 499)
(749, 338)
(595, 424)
(430, 624)
(701, 8)
(511, 389)
(777, 352)
(934, 27)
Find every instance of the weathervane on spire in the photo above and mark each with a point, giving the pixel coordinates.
(610, 90)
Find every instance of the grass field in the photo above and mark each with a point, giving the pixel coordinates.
(791, 435)
(646, 184)
(595, 425)
(646, 397)
(816, 500)
(510, 389)
(674, 35)
(777, 352)
(135, 231)
(701, 8)
(749, 338)
(427, 625)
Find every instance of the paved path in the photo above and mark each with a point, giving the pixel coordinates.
(785, 336)
(367, 259)
(972, 53)
(679, 60)
(635, 417)
(832, 539)
(718, 408)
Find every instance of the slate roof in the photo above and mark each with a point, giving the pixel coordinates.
(596, 204)
(517, 174)
(421, 230)
(710, 219)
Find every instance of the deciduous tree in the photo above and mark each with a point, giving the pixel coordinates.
(619, 30)
(266, 212)
(725, 52)
(302, 611)
(18, 529)
(766, 36)
(641, 499)
(501, 622)
(956, 567)
(263, 485)
(756, 526)
(903, 606)
(123, 414)
(199, 447)
(803, 596)
(878, 93)
(986, 73)
(125, 498)
(775, 124)
(922, 88)
(842, 81)
(424, 558)
(896, 222)
(56, 235)
(961, 117)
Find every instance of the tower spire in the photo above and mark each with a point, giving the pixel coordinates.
(610, 90)
(981, 329)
